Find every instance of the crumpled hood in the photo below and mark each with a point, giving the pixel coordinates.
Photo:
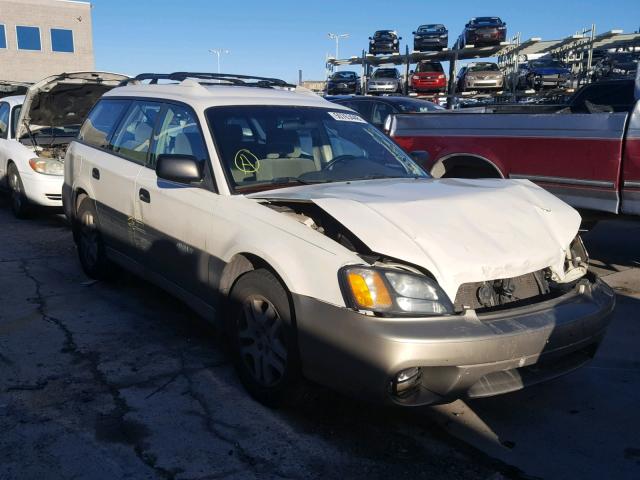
(460, 230)
(65, 99)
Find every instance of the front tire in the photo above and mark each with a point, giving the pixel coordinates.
(91, 248)
(19, 202)
(263, 338)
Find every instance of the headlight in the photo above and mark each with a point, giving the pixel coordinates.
(618, 70)
(395, 40)
(47, 166)
(393, 292)
(371, 42)
(444, 36)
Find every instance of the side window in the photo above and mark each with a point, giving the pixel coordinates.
(380, 112)
(605, 98)
(15, 115)
(363, 108)
(179, 134)
(102, 121)
(133, 137)
(4, 119)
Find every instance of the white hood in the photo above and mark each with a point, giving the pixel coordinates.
(460, 230)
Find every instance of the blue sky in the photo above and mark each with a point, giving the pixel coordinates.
(276, 38)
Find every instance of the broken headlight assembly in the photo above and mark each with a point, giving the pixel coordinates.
(576, 262)
(392, 292)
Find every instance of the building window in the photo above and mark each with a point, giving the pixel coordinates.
(3, 37)
(28, 38)
(61, 40)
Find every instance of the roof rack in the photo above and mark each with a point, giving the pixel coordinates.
(219, 78)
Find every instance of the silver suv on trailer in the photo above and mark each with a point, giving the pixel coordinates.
(324, 250)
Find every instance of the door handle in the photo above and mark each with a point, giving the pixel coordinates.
(144, 195)
(95, 173)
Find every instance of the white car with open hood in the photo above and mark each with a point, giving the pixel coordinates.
(35, 130)
(323, 249)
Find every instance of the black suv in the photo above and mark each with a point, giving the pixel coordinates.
(482, 31)
(343, 82)
(430, 37)
(384, 41)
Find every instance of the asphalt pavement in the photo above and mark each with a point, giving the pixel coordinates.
(105, 380)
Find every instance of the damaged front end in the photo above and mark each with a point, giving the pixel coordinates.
(482, 297)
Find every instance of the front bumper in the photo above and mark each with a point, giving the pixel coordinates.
(376, 48)
(428, 84)
(378, 88)
(460, 356)
(342, 88)
(435, 43)
(43, 190)
(471, 83)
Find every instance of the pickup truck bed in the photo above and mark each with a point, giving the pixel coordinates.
(590, 160)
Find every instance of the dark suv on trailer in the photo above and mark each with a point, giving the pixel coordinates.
(384, 41)
(484, 31)
(616, 65)
(430, 37)
(343, 82)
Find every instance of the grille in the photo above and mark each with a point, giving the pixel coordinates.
(497, 293)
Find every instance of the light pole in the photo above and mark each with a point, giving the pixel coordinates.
(337, 37)
(218, 52)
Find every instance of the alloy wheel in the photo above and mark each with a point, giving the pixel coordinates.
(260, 335)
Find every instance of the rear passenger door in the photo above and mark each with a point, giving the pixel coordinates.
(173, 219)
(113, 169)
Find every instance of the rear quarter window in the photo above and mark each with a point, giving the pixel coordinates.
(102, 121)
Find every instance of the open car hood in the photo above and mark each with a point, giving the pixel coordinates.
(459, 230)
(64, 100)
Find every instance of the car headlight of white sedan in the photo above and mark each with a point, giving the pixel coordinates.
(393, 292)
(47, 166)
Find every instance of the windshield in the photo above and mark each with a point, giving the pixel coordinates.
(385, 73)
(430, 28)
(546, 64)
(343, 76)
(383, 33)
(267, 147)
(410, 105)
(486, 21)
(484, 67)
(624, 58)
(429, 67)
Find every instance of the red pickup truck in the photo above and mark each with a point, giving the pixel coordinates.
(587, 152)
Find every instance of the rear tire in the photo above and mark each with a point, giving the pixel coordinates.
(91, 248)
(263, 338)
(19, 202)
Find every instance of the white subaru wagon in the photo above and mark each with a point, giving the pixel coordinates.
(324, 250)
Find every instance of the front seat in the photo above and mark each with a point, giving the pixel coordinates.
(285, 157)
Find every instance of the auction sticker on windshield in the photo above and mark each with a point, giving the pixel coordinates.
(347, 117)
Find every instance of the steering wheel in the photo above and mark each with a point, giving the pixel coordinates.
(336, 161)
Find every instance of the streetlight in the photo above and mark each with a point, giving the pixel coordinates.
(218, 52)
(337, 37)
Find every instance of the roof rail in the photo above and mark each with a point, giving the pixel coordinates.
(220, 78)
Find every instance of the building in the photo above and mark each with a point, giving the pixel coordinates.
(39, 38)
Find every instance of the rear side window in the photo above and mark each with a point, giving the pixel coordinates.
(102, 121)
(133, 137)
(603, 98)
(179, 134)
(4, 120)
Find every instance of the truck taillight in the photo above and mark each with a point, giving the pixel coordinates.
(441, 76)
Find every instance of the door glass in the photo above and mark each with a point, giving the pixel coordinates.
(179, 135)
(4, 120)
(380, 113)
(101, 122)
(133, 137)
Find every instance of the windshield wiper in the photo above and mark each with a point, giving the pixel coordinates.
(286, 180)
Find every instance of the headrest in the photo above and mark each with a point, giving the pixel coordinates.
(143, 132)
(283, 142)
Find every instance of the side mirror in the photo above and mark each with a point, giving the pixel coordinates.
(399, 38)
(179, 168)
(421, 157)
(411, 72)
(413, 33)
(370, 38)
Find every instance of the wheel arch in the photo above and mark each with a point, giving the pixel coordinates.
(468, 160)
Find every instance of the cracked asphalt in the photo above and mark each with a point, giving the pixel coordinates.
(119, 380)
